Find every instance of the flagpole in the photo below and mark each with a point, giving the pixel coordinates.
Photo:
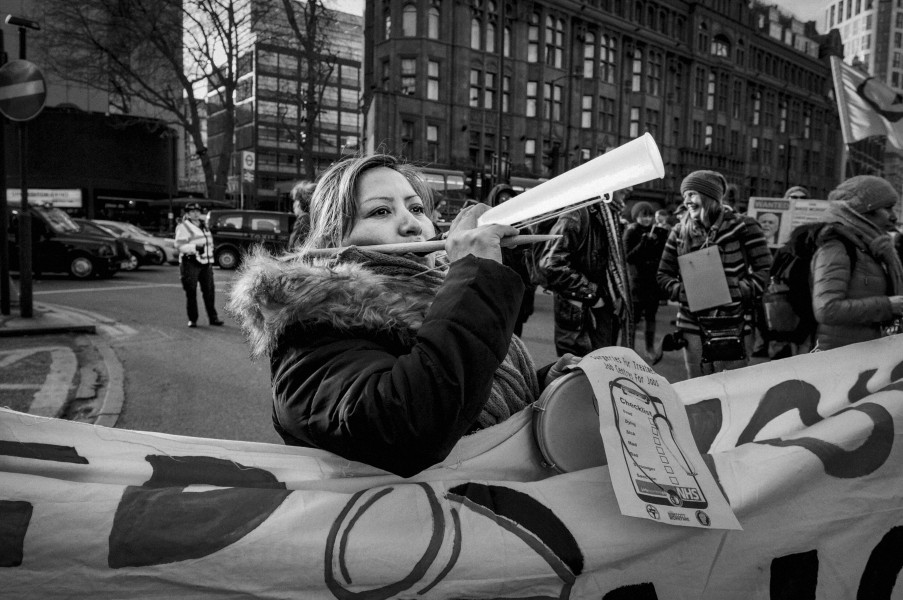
(843, 162)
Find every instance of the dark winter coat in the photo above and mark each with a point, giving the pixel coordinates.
(849, 306)
(643, 254)
(376, 368)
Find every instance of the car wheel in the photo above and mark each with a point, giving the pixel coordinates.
(131, 264)
(81, 267)
(227, 259)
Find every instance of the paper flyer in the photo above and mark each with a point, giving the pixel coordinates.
(656, 470)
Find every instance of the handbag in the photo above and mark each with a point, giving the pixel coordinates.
(722, 338)
(779, 314)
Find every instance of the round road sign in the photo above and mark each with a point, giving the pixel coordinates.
(23, 90)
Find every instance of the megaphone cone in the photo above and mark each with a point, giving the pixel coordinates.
(633, 163)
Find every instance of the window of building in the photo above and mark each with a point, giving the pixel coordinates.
(740, 54)
(409, 20)
(386, 73)
(407, 137)
(607, 57)
(475, 34)
(767, 151)
(720, 143)
(606, 114)
(696, 135)
(723, 92)
(708, 138)
(735, 143)
(720, 47)
(754, 155)
(532, 89)
(807, 123)
(702, 37)
(533, 39)
(589, 54)
(432, 21)
(586, 112)
(710, 92)
(506, 93)
(554, 42)
(490, 37)
(634, 122)
(408, 76)
(387, 23)
(474, 88)
(737, 103)
(699, 87)
(553, 101)
(895, 79)
(636, 82)
(652, 118)
(506, 42)
(675, 131)
(654, 74)
(768, 112)
(432, 143)
(432, 84)
(529, 153)
(489, 91)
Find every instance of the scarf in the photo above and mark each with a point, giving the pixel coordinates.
(514, 384)
(879, 243)
(617, 280)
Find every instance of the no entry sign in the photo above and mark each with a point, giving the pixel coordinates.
(23, 90)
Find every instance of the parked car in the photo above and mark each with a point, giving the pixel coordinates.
(236, 231)
(166, 246)
(138, 253)
(59, 245)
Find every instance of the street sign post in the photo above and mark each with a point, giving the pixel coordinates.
(23, 93)
(23, 90)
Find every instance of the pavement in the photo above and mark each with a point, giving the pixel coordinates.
(56, 364)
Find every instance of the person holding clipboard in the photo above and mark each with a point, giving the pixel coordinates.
(715, 264)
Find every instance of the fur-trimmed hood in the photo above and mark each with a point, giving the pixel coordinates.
(271, 294)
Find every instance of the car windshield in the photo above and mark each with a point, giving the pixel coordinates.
(59, 221)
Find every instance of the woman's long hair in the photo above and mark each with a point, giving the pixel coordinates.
(333, 206)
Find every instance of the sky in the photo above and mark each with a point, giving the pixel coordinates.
(804, 10)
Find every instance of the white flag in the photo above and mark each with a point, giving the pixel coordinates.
(867, 105)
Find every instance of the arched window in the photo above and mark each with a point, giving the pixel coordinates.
(409, 20)
(475, 33)
(490, 37)
(721, 46)
(432, 22)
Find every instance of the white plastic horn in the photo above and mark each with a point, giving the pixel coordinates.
(633, 163)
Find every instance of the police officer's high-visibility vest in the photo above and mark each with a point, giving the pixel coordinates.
(189, 237)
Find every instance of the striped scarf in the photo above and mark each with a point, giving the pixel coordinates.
(617, 280)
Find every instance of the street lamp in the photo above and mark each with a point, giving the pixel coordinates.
(554, 166)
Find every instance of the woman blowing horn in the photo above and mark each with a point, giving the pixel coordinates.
(385, 359)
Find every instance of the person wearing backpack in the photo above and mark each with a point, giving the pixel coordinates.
(745, 259)
(861, 300)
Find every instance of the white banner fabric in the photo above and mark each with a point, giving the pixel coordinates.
(808, 452)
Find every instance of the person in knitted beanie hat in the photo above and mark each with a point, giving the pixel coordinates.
(865, 194)
(796, 191)
(702, 192)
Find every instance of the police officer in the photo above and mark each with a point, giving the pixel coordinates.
(195, 246)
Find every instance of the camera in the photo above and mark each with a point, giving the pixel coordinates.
(200, 248)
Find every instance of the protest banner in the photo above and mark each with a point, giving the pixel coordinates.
(808, 451)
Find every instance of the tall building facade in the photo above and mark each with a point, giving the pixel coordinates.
(548, 85)
(270, 108)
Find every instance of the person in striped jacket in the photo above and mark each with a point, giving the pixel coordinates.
(745, 259)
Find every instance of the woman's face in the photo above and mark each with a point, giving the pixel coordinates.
(883, 218)
(389, 211)
(644, 219)
(697, 204)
